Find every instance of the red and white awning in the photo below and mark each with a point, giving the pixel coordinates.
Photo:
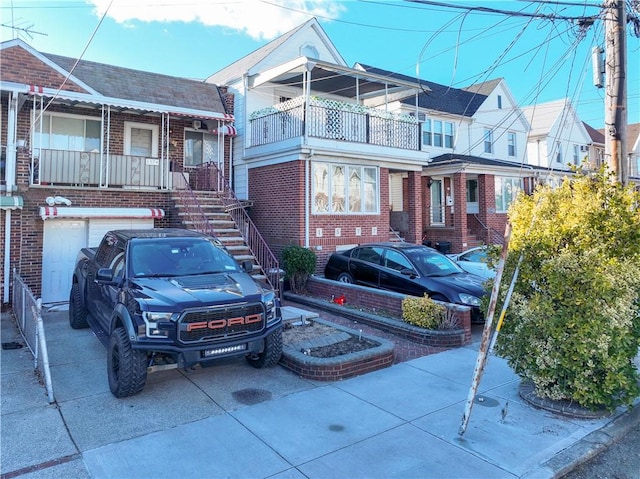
(226, 130)
(53, 212)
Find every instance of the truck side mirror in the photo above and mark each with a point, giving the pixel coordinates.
(247, 266)
(104, 275)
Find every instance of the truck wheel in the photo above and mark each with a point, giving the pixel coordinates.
(270, 356)
(126, 367)
(77, 312)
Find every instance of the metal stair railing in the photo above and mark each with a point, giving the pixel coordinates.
(495, 237)
(194, 212)
(208, 177)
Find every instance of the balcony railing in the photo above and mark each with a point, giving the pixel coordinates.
(334, 120)
(80, 168)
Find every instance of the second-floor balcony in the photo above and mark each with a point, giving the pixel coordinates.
(334, 120)
(81, 168)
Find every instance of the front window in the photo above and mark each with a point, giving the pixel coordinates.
(511, 144)
(345, 189)
(426, 132)
(68, 133)
(199, 148)
(488, 141)
(576, 154)
(448, 134)
(437, 133)
(141, 139)
(506, 192)
(558, 152)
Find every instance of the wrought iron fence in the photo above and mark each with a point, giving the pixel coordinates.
(28, 312)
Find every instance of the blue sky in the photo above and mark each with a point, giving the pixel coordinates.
(541, 59)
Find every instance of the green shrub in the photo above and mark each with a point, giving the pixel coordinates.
(426, 313)
(573, 326)
(298, 264)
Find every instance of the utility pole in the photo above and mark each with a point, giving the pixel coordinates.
(615, 114)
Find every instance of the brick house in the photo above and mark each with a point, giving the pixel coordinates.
(89, 147)
(332, 156)
(317, 142)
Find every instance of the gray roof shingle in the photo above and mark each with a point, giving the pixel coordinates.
(136, 85)
(441, 97)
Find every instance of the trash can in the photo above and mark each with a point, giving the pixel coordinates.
(427, 243)
(444, 247)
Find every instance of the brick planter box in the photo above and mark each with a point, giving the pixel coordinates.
(321, 291)
(338, 367)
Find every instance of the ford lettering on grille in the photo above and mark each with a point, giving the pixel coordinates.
(221, 323)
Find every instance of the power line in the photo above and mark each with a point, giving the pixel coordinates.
(503, 12)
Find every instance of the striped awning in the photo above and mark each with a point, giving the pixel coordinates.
(11, 202)
(53, 212)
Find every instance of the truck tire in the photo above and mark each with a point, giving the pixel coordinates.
(272, 352)
(126, 367)
(77, 312)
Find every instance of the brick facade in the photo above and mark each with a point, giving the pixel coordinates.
(27, 227)
(278, 212)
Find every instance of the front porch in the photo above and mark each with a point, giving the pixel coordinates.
(89, 169)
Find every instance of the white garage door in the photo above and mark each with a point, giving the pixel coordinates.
(63, 239)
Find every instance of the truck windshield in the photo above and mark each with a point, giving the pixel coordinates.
(178, 257)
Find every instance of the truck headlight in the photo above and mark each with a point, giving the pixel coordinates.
(469, 299)
(271, 307)
(157, 325)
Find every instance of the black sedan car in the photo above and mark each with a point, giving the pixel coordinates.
(410, 269)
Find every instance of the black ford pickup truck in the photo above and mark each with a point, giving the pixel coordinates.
(166, 298)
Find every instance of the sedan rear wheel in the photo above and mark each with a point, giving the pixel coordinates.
(345, 278)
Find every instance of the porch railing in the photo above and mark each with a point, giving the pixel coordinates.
(81, 168)
(208, 177)
(493, 236)
(334, 120)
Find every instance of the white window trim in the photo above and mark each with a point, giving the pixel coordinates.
(155, 134)
(512, 179)
(515, 144)
(346, 211)
(487, 139)
(432, 132)
(35, 131)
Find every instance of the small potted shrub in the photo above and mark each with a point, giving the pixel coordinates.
(425, 313)
(298, 264)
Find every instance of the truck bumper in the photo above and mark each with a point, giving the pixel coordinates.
(187, 356)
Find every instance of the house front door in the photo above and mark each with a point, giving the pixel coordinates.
(437, 202)
(472, 197)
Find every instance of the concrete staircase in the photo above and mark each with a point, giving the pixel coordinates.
(222, 225)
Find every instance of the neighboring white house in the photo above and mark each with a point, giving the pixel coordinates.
(633, 146)
(558, 138)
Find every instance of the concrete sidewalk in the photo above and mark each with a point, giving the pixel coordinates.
(232, 420)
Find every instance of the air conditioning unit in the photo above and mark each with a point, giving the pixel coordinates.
(197, 124)
(584, 148)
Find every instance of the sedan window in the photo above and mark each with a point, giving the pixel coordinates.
(395, 260)
(434, 264)
(369, 254)
(477, 256)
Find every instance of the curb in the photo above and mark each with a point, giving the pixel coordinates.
(587, 447)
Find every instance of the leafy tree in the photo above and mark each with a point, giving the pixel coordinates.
(573, 326)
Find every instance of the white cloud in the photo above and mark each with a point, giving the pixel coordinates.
(257, 18)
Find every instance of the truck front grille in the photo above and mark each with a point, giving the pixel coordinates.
(221, 323)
